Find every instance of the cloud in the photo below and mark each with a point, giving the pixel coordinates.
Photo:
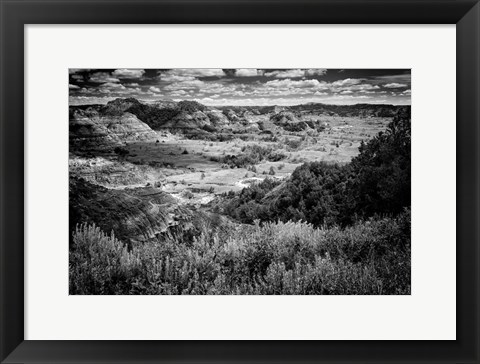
(73, 87)
(406, 92)
(112, 85)
(78, 78)
(72, 71)
(128, 73)
(315, 71)
(362, 87)
(85, 100)
(293, 73)
(248, 72)
(132, 85)
(175, 78)
(290, 84)
(296, 73)
(192, 72)
(154, 89)
(347, 82)
(178, 93)
(100, 77)
(395, 85)
(185, 85)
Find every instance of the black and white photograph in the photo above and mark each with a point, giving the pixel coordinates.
(239, 181)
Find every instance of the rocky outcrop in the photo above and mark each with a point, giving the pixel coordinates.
(92, 130)
(135, 216)
(124, 120)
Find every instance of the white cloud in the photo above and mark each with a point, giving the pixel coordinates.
(407, 92)
(395, 85)
(154, 89)
(167, 77)
(289, 84)
(178, 93)
(248, 72)
(193, 72)
(293, 73)
(112, 85)
(86, 100)
(347, 82)
(72, 71)
(185, 85)
(316, 71)
(362, 87)
(73, 87)
(100, 77)
(78, 78)
(128, 73)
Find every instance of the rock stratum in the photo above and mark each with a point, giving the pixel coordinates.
(96, 127)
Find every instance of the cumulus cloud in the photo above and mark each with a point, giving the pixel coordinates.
(112, 85)
(316, 71)
(101, 77)
(395, 85)
(193, 72)
(290, 84)
(82, 100)
(178, 93)
(72, 71)
(296, 73)
(168, 77)
(293, 73)
(128, 73)
(78, 78)
(347, 82)
(248, 72)
(240, 87)
(185, 85)
(361, 87)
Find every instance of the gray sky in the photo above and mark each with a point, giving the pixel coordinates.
(217, 87)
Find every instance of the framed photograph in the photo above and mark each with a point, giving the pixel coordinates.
(239, 181)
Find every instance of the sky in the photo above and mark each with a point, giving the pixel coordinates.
(242, 86)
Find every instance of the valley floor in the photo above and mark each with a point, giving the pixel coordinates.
(194, 168)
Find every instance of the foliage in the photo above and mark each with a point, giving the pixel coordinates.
(376, 182)
(274, 258)
(251, 155)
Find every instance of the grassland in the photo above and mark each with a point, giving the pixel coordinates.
(175, 164)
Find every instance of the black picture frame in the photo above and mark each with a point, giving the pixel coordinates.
(15, 14)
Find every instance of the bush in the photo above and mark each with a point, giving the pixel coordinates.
(275, 258)
(100, 264)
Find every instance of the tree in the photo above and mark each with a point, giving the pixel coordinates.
(381, 173)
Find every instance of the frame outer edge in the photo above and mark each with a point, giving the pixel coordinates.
(468, 186)
(11, 179)
(11, 51)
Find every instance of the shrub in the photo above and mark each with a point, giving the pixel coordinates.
(274, 258)
(100, 264)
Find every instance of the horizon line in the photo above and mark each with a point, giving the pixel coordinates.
(227, 105)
